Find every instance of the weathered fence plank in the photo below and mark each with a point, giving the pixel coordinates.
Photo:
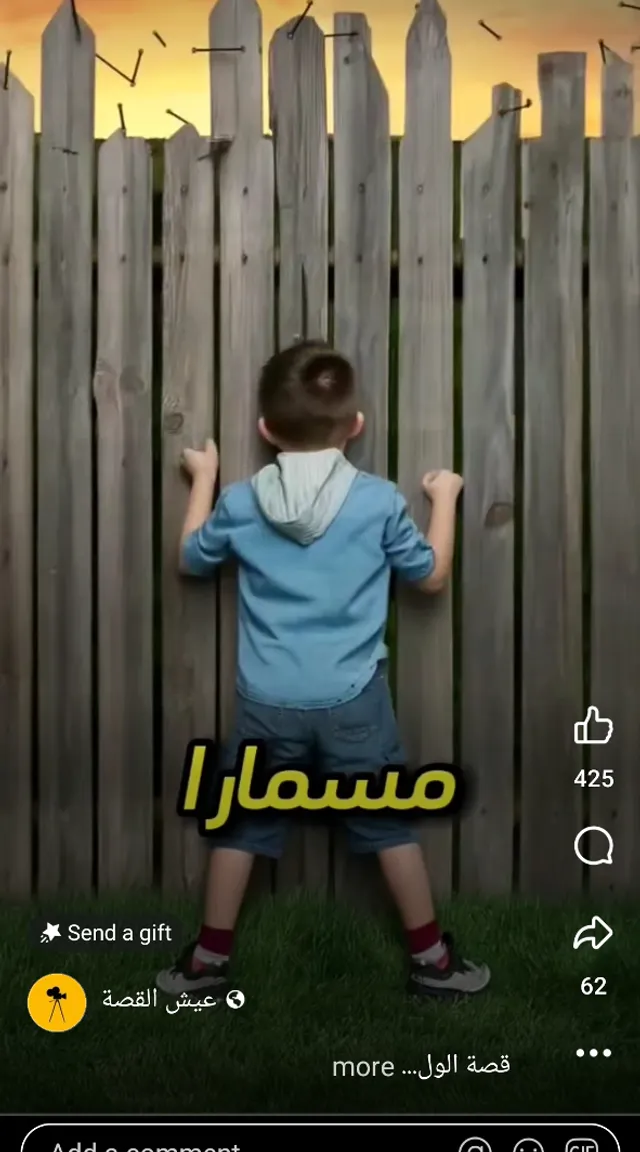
(552, 689)
(616, 108)
(298, 116)
(362, 230)
(523, 207)
(488, 194)
(614, 299)
(16, 486)
(188, 607)
(122, 389)
(362, 269)
(246, 281)
(64, 421)
(425, 393)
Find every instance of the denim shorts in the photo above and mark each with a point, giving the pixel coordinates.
(358, 736)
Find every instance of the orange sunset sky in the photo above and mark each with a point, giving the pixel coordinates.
(173, 77)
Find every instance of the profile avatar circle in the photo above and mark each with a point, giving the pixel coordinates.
(56, 1003)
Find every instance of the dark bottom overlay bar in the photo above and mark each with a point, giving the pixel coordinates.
(291, 1134)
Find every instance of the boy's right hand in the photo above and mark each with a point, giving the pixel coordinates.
(442, 483)
(201, 463)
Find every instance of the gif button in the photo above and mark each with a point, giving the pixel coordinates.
(586, 1144)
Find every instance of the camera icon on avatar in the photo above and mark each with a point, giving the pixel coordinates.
(57, 997)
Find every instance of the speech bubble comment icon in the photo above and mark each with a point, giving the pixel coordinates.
(599, 846)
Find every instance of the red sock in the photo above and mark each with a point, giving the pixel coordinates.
(423, 939)
(216, 940)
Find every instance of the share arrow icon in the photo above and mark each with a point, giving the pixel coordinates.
(596, 934)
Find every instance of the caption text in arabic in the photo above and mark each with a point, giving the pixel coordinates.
(432, 1068)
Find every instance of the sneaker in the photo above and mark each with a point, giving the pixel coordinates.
(459, 977)
(189, 975)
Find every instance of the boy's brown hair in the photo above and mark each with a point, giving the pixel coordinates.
(307, 396)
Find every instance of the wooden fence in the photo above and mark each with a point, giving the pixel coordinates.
(109, 663)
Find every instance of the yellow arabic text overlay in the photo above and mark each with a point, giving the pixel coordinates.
(213, 798)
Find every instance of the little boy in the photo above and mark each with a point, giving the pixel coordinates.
(316, 542)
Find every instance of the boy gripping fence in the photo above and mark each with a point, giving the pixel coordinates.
(316, 542)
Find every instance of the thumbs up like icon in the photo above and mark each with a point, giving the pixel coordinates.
(594, 729)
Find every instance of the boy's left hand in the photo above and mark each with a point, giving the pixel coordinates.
(201, 463)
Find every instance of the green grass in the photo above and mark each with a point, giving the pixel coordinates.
(323, 983)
